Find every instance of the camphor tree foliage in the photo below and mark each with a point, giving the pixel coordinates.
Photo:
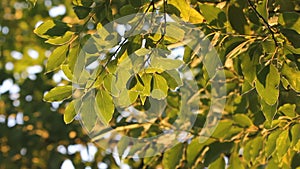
(191, 110)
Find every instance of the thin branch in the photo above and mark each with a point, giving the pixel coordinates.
(264, 21)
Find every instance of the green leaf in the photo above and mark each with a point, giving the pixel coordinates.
(59, 93)
(290, 20)
(186, 12)
(269, 111)
(267, 84)
(81, 11)
(160, 87)
(70, 112)
(242, 120)
(215, 150)
(253, 148)
(194, 148)
(235, 162)
(288, 110)
(218, 164)
(105, 106)
(292, 36)
(262, 8)
(270, 144)
(127, 10)
(223, 127)
(237, 18)
(51, 28)
(172, 157)
(248, 66)
(292, 75)
(213, 14)
(295, 133)
(282, 144)
(57, 58)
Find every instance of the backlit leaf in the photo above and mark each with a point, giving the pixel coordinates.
(70, 112)
(57, 58)
(105, 106)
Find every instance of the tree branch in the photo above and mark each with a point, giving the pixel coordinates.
(264, 21)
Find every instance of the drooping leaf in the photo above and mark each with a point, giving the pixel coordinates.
(282, 144)
(58, 93)
(269, 111)
(173, 156)
(237, 18)
(267, 84)
(87, 111)
(292, 75)
(270, 144)
(295, 133)
(252, 149)
(57, 58)
(105, 106)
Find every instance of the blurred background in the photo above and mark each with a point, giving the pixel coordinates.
(32, 132)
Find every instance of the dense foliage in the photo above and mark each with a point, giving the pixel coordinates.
(240, 109)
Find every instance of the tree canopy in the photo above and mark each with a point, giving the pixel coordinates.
(151, 83)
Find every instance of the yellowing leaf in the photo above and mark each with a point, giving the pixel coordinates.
(58, 93)
(187, 13)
